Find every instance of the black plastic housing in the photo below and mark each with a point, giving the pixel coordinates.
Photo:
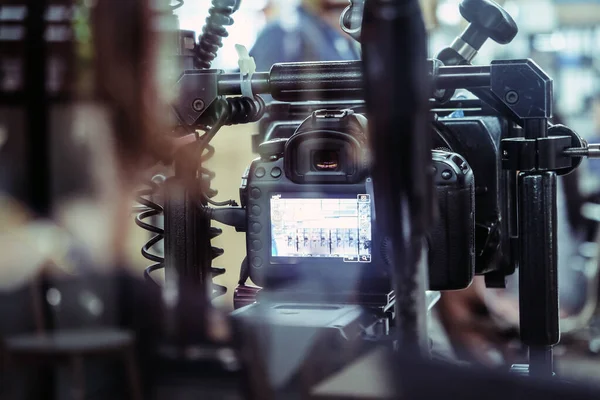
(451, 242)
(476, 136)
(477, 139)
(285, 169)
(266, 178)
(452, 239)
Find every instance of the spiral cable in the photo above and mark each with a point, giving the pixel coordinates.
(206, 177)
(152, 209)
(243, 110)
(238, 110)
(214, 31)
(178, 4)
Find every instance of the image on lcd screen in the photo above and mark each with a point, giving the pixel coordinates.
(324, 227)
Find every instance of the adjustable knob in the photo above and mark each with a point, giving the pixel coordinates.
(487, 20)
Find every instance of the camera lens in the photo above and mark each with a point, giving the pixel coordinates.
(326, 160)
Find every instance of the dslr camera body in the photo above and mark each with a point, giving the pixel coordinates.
(311, 217)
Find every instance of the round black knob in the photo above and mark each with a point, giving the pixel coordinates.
(488, 20)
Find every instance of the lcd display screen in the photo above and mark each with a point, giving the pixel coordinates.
(321, 227)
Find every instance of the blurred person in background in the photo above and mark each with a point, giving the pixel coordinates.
(305, 31)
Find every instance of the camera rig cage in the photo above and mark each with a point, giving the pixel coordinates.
(201, 105)
(533, 155)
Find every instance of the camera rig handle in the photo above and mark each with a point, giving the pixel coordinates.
(487, 19)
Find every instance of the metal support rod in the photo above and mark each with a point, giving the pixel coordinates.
(463, 81)
(464, 69)
(591, 151)
(538, 287)
(338, 80)
(229, 84)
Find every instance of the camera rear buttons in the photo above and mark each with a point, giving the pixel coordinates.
(260, 172)
(255, 193)
(256, 245)
(447, 174)
(256, 262)
(256, 227)
(276, 172)
(255, 210)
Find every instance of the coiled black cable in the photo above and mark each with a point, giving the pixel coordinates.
(178, 4)
(236, 110)
(153, 209)
(207, 176)
(207, 152)
(231, 111)
(214, 31)
(243, 110)
(218, 290)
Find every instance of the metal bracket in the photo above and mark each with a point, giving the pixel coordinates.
(523, 87)
(543, 154)
(198, 89)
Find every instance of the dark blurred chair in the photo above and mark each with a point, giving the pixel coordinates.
(68, 347)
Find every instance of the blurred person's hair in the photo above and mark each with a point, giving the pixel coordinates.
(119, 110)
(126, 70)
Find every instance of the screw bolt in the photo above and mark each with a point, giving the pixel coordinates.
(511, 97)
(198, 105)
